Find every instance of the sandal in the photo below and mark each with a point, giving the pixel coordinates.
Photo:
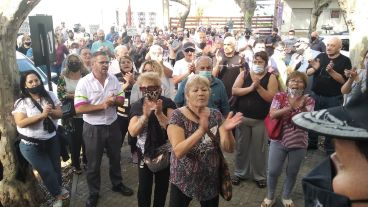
(288, 203)
(261, 183)
(268, 203)
(235, 180)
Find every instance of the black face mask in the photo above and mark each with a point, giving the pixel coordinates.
(74, 66)
(317, 187)
(36, 90)
(247, 37)
(202, 45)
(313, 38)
(181, 38)
(28, 43)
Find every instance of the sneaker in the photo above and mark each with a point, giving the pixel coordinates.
(288, 203)
(92, 201)
(121, 188)
(57, 203)
(64, 193)
(268, 203)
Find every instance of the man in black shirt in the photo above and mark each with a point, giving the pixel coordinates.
(328, 77)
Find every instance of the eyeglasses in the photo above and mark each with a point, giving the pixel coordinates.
(296, 81)
(189, 50)
(104, 62)
(149, 88)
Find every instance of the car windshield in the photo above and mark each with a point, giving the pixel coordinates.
(24, 65)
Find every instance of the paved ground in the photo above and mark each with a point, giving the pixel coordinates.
(247, 194)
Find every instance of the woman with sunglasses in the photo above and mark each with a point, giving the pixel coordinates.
(149, 119)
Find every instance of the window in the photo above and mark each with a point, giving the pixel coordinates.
(335, 14)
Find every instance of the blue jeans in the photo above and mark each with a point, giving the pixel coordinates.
(323, 102)
(46, 160)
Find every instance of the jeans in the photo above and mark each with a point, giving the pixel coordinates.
(277, 156)
(46, 160)
(323, 102)
(179, 199)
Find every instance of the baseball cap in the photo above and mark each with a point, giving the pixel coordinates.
(188, 45)
(342, 122)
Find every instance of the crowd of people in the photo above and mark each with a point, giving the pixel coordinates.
(169, 91)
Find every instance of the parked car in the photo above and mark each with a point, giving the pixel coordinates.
(24, 64)
(344, 38)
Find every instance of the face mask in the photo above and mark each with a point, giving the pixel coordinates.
(317, 186)
(28, 43)
(247, 37)
(151, 95)
(202, 45)
(295, 92)
(205, 73)
(74, 66)
(36, 90)
(313, 38)
(257, 35)
(180, 38)
(291, 37)
(257, 69)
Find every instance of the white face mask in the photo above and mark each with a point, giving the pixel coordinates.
(295, 92)
(257, 69)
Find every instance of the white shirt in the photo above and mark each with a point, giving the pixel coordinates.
(90, 91)
(181, 67)
(27, 107)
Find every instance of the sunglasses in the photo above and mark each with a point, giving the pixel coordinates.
(149, 88)
(189, 50)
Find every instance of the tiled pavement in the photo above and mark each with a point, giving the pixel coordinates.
(247, 194)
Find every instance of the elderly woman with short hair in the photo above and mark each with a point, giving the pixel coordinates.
(149, 119)
(194, 171)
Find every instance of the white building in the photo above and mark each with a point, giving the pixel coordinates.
(296, 14)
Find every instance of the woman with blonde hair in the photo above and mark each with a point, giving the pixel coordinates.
(195, 133)
(74, 70)
(149, 118)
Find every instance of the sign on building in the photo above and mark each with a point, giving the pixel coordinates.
(93, 28)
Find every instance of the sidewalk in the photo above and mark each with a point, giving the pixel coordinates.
(247, 194)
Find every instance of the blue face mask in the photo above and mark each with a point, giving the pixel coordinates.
(257, 69)
(206, 74)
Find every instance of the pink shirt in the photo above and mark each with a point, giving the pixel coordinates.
(291, 136)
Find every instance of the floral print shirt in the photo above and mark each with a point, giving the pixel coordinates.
(197, 173)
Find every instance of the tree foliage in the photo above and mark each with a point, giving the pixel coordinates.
(247, 7)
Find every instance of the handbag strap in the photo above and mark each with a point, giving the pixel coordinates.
(41, 110)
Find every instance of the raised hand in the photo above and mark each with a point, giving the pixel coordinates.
(232, 120)
(128, 77)
(352, 73)
(158, 108)
(203, 119)
(46, 110)
(330, 66)
(315, 63)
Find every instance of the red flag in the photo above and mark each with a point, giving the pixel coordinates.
(129, 16)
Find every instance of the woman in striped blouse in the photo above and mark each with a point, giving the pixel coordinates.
(293, 141)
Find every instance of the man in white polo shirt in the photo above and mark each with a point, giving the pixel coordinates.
(96, 97)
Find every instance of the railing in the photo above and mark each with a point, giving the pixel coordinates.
(263, 23)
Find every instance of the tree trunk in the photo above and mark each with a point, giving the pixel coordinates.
(183, 17)
(13, 192)
(313, 23)
(165, 4)
(247, 7)
(318, 7)
(356, 16)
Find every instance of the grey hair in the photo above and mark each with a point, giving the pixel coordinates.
(155, 47)
(203, 57)
(120, 47)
